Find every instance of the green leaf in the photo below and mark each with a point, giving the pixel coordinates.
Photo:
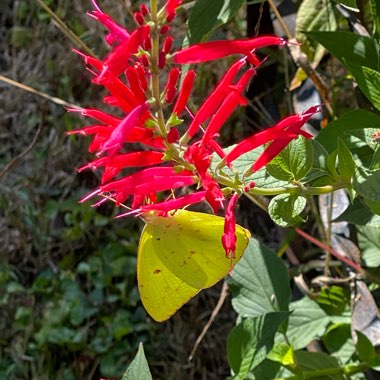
(242, 164)
(207, 15)
(266, 370)
(314, 15)
(360, 215)
(369, 243)
(350, 48)
(307, 322)
(346, 163)
(333, 299)
(368, 80)
(338, 341)
(259, 282)
(313, 361)
(366, 183)
(294, 162)
(349, 121)
(249, 343)
(375, 9)
(366, 351)
(245, 162)
(285, 209)
(138, 369)
(283, 354)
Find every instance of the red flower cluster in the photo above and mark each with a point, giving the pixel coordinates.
(148, 137)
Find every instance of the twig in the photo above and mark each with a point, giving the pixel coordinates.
(66, 30)
(222, 298)
(18, 158)
(39, 93)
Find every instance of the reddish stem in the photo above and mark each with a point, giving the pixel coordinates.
(330, 250)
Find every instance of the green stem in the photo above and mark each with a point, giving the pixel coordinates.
(323, 373)
(155, 79)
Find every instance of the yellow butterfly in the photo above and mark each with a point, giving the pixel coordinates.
(178, 256)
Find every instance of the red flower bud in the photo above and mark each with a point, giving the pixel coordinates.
(165, 29)
(144, 9)
(139, 18)
(168, 44)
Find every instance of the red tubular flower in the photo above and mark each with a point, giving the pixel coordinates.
(113, 165)
(209, 51)
(214, 196)
(117, 33)
(169, 205)
(121, 92)
(229, 235)
(286, 130)
(147, 181)
(135, 85)
(88, 60)
(118, 60)
(120, 134)
(211, 104)
(200, 157)
(184, 93)
(142, 76)
(171, 89)
(170, 9)
(228, 106)
(98, 115)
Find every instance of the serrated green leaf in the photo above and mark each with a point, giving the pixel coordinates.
(365, 348)
(350, 48)
(366, 183)
(311, 361)
(307, 322)
(285, 209)
(294, 162)
(346, 163)
(138, 369)
(368, 80)
(259, 282)
(207, 15)
(245, 162)
(366, 136)
(349, 121)
(249, 343)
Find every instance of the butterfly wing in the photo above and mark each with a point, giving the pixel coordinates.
(162, 293)
(189, 243)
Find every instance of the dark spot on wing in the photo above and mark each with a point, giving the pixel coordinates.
(157, 271)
